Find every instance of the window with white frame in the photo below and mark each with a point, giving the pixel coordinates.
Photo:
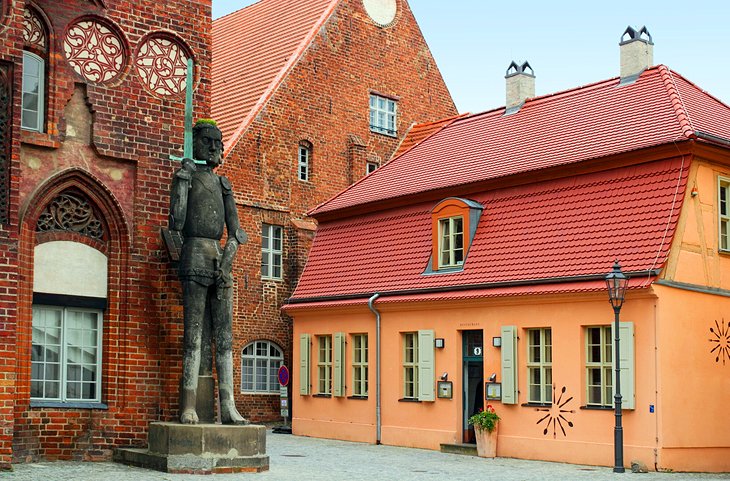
(304, 160)
(260, 362)
(724, 214)
(598, 366)
(360, 365)
(66, 354)
(410, 365)
(271, 251)
(372, 167)
(324, 365)
(451, 242)
(32, 112)
(383, 115)
(539, 365)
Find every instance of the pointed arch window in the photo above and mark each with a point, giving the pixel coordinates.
(35, 54)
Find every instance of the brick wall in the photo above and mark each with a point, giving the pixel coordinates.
(112, 141)
(323, 100)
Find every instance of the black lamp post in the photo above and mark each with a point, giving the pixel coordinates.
(616, 282)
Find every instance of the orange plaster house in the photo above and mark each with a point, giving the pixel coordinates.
(500, 227)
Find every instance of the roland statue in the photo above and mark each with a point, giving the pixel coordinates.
(202, 207)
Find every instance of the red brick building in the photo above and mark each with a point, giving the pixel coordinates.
(91, 107)
(311, 95)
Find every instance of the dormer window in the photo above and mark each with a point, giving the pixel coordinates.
(451, 241)
(453, 225)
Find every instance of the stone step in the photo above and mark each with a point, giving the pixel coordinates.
(459, 448)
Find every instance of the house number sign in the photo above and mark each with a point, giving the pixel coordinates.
(478, 350)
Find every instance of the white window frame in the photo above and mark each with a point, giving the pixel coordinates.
(271, 256)
(41, 94)
(371, 167)
(251, 381)
(539, 365)
(383, 115)
(63, 362)
(410, 365)
(723, 213)
(447, 242)
(304, 155)
(360, 365)
(324, 365)
(604, 366)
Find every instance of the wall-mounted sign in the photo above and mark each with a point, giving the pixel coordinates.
(445, 390)
(493, 391)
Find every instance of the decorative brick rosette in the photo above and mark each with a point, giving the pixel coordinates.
(94, 50)
(162, 65)
(34, 34)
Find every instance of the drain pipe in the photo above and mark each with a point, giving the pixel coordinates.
(378, 421)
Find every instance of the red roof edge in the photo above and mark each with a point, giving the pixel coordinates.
(685, 122)
(228, 147)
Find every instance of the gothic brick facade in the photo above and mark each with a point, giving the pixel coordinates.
(91, 167)
(321, 101)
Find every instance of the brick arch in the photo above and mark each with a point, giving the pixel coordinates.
(116, 316)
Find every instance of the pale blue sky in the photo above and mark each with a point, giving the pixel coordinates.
(568, 43)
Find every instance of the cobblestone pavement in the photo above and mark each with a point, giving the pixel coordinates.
(301, 458)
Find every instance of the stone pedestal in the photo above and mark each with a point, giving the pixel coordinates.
(200, 449)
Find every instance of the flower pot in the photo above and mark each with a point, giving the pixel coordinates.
(486, 442)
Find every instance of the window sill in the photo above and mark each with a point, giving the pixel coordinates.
(260, 393)
(40, 139)
(392, 135)
(536, 405)
(444, 270)
(36, 403)
(597, 408)
(271, 279)
(362, 398)
(322, 395)
(408, 400)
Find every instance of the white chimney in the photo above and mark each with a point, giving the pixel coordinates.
(637, 53)
(520, 86)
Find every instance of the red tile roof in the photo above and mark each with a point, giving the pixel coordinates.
(572, 228)
(420, 132)
(253, 49)
(589, 122)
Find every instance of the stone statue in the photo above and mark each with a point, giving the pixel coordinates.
(202, 205)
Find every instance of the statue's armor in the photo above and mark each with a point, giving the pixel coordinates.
(204, 224)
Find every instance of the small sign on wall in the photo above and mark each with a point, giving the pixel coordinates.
(445, 390)
(493, 391)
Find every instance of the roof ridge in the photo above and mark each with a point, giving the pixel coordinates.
(279, 78)
(683, 117)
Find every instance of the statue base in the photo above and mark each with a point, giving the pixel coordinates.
(200, 449)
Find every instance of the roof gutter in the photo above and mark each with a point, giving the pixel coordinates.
(712, 138)
(468, 287)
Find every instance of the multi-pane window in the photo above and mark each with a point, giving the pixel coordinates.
(360, 365)
(32, 113)
(724, 211)
(271, 251)
(260, 362)
(539, 365)
(410, 365)
(451, 242)
(382, 115)
(324, 364)
(304, 159)
(598, 366)
(66, 354)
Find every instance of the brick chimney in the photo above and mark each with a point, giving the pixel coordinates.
(520, 86)
(637, 53)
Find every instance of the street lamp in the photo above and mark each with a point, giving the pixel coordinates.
(616, 282)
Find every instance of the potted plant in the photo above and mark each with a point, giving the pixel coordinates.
(485, 429)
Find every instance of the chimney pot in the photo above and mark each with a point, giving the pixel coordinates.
(637, 53)
(520, 81)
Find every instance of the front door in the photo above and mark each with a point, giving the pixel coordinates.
(473, 395)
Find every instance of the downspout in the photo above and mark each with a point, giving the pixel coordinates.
(378, 420)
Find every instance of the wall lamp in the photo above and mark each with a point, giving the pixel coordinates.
(497, 341)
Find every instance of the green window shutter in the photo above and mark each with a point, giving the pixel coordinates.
(626, 356)
(304, 341)
(509, 365)
(426, 370)
(339, 364)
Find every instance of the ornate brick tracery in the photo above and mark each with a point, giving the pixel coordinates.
(162, 64)
(94, 50)
(71, 211)
(34, 33)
